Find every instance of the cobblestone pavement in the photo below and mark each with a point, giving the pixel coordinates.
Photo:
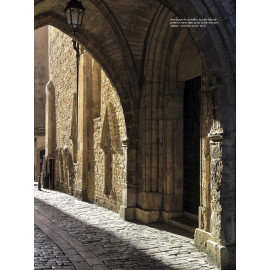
(48, 255)
(71, 234)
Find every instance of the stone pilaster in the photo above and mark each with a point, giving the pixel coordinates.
(221, 245)
(83, 115)
(129, 194)
(49, 120)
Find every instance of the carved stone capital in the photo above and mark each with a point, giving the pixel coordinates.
(216, 132)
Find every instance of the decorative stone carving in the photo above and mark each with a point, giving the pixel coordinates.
(68, 169)
(49, 86)
(216, 132)
(59, 157)
(106, 146)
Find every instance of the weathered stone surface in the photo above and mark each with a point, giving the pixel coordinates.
(83, 166)
(146, 216)
(221, 256)
(41, 76)
(200, 239)
(150, 200)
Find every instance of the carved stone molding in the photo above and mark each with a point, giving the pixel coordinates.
(49, 86)
(130, 186)
(130, 143)
(216, 132)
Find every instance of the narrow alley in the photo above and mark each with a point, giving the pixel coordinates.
(71, 234)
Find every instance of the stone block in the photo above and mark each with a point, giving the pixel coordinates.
(223, 257)
(129, 196)
(127, 213)
(173, 202)
(147, 217)
(200, 239)
(151, 201)
(78, 194)
(165, 216)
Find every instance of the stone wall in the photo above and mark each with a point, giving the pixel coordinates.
(39, 146)
(101, 126)
(112, 113)
(41, 76)
(62, 75)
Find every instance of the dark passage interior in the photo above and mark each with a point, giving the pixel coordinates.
(192, 145)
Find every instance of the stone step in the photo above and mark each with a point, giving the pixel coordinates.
(184, 223)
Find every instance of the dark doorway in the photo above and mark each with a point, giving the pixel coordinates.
(192, 145)
(51, 163)
(41, 154)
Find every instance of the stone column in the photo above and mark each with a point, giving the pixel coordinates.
(129, 193)
(48, 120)
(83, 115)
(202, 234)
(221, 246)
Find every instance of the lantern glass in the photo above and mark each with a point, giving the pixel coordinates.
(80, 16)
(68, 17)
(74, 14)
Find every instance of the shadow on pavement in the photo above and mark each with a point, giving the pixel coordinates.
(112, 250)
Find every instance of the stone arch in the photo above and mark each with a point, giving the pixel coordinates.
(161, 116)
(219, 64)
(92, 47)
(217, 106)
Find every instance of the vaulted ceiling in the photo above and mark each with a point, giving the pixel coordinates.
(120, 34)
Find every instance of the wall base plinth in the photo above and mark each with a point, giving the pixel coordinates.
(166, 216)
(151, 216)
(223, 257)
(200, 239)
(127, 213)
(146, 217)
(78, 194)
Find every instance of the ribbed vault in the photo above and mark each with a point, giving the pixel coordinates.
(115, 33)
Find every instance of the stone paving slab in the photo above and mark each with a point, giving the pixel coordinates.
(92, 237)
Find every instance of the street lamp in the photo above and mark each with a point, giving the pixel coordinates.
(74, 12)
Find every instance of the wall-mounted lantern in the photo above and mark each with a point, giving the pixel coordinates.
(74, 12)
